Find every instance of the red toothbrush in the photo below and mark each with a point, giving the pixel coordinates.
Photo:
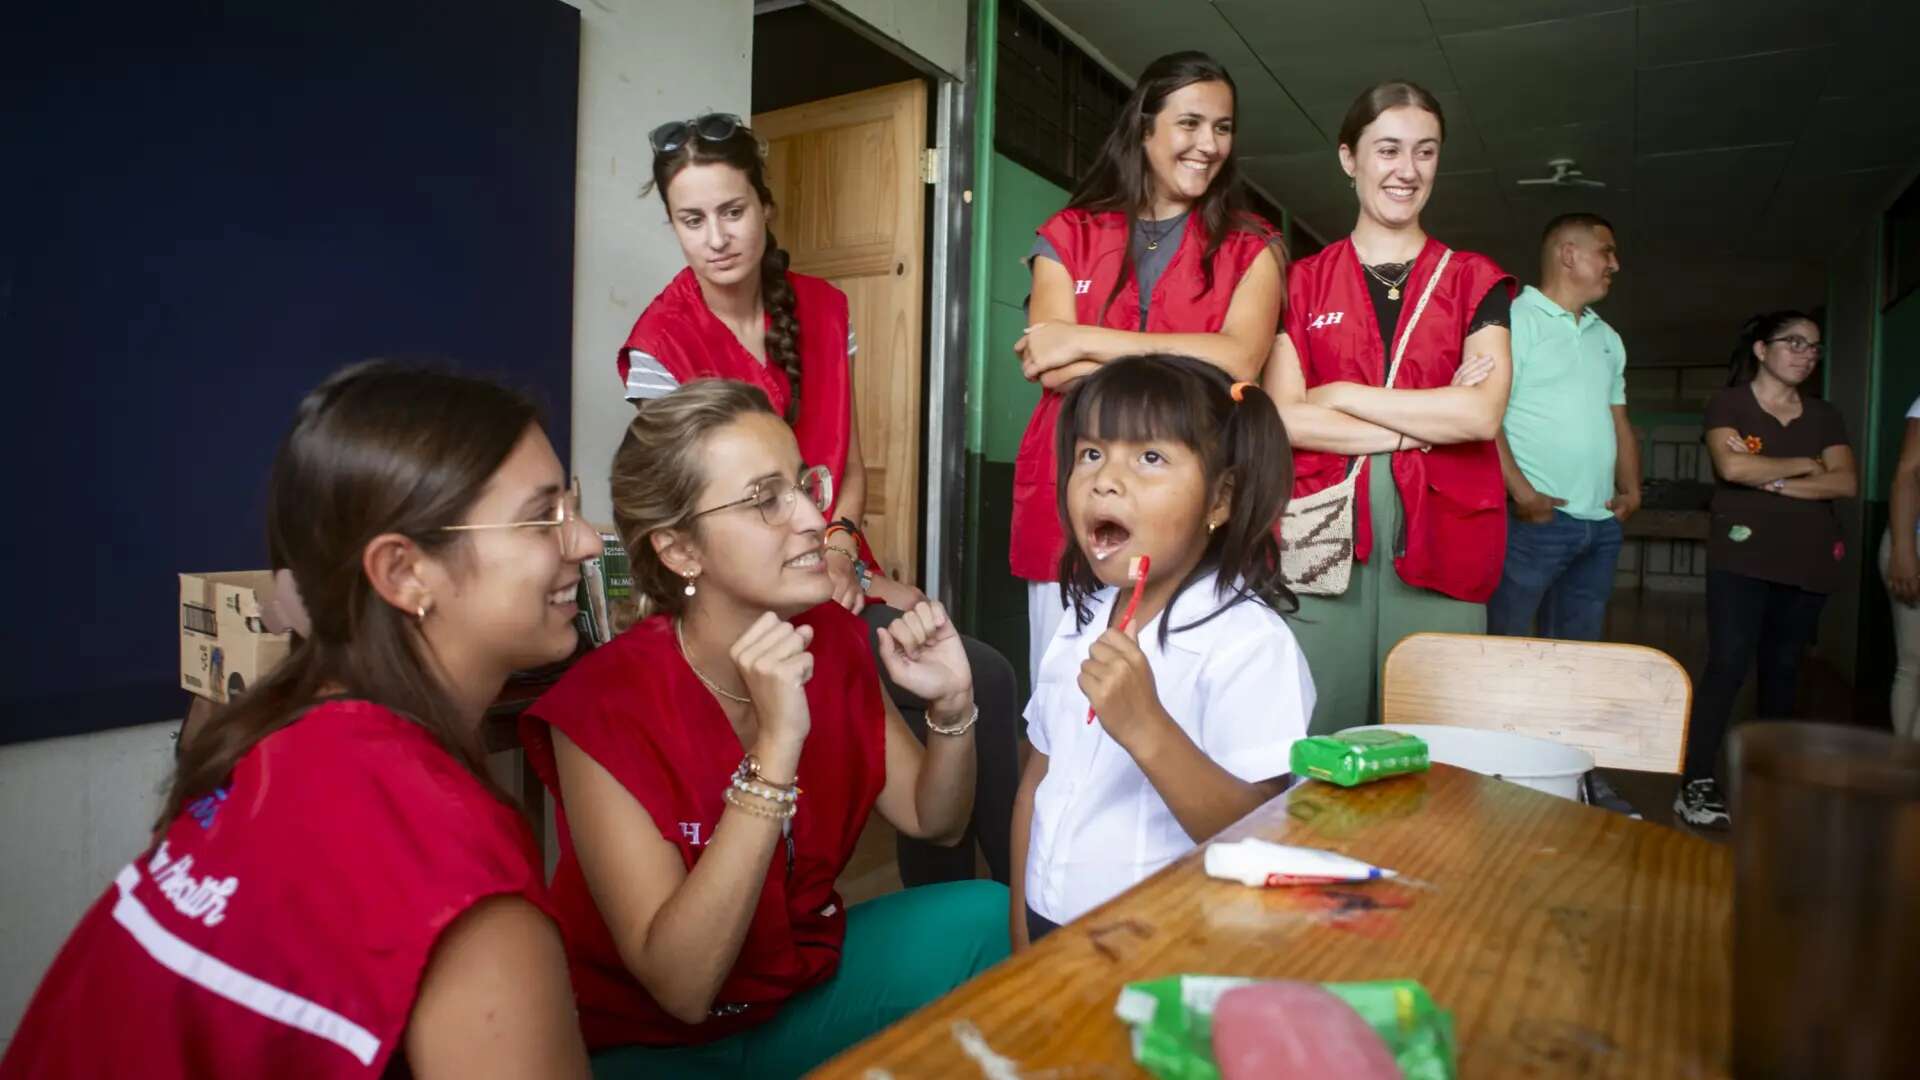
(1137, 573)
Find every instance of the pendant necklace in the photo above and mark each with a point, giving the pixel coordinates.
(1393, 287)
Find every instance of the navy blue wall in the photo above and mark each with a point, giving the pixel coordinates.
(205, 210)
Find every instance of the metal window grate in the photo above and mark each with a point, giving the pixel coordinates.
(1054, 104)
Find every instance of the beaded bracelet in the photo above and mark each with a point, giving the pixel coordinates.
(734, 799)
(961, 728)
(763, 791)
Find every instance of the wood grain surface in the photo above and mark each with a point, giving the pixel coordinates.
(1627, 705)
(1566, 940)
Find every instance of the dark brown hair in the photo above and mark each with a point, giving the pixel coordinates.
(1742, 365)
(378, 448)
(1242, 444)
(741, 151)
(658, 474)
(1121, 178)
(1380, 97)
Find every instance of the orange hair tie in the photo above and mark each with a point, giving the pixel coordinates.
(1239, 390)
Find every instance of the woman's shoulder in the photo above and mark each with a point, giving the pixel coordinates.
(808, 285)
(670, 309)
(1727, 404)
(817, 295)
(1319, 260)
(360, 753)
(1074, 220)
(1826, 412)
(1251, 621)
(641, 647)
(1477, 267)
(1250, 227)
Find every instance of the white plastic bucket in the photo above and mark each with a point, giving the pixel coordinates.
(1541, 764)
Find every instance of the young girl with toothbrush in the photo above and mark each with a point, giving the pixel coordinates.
(1171, 471)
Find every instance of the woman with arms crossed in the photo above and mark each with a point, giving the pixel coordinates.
(1429, 524)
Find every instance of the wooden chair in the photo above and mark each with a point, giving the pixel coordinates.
(1627, 705)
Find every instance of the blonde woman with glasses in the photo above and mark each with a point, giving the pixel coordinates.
(713, 768)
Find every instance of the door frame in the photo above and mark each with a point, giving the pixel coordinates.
(949, 296)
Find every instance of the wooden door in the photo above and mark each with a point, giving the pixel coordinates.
(845, 174)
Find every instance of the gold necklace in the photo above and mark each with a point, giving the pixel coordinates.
(681, 637)
(1393, 287)
(1153, 238)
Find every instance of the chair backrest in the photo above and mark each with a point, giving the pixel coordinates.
(1627, 705)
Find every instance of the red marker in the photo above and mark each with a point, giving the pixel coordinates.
(1136, 573)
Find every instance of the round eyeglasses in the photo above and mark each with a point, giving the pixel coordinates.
(1798, 345)
(774, 496)
(564, 521)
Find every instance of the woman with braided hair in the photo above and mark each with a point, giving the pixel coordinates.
(737, 312)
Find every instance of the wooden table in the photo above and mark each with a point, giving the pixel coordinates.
(1566, 940)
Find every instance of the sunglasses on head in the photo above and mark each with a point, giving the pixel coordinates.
(713, 127)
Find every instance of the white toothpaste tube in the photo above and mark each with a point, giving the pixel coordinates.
(1263, 864)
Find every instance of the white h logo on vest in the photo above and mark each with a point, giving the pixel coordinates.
(1331, 318)
(1081, 288)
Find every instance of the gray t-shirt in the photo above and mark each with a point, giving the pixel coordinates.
(1147, 265)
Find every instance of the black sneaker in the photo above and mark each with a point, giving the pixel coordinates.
(1698, 803)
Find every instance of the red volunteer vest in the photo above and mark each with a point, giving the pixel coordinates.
(679, 334)
(1455, 500)
(636, 708)
(1093, 249)
(282, 926)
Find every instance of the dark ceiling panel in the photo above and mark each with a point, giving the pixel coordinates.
(1541, 54)
(1319, 75)
(1352, 27)
(1460, 16)
(1753, 99)
(1844, 135)
(1566, 71)
(1817, 214)
(1721, 191)
(1702, 29)
(1273, 125)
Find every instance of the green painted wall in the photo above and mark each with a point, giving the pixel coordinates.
(996, 601)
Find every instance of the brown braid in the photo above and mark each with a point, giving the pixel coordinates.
(783, 336)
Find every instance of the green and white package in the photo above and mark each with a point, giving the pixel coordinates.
(1172, 1021)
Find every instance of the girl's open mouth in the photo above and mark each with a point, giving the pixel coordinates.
(1106, 538)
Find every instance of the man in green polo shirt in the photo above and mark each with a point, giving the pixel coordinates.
(1571, 462)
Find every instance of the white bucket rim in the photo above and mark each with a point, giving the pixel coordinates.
(1549, 745)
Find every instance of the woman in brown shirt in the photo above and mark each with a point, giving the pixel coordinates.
(1775, 548)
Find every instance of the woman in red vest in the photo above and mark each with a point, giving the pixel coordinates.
(714, 765)
(335, 888)
(1428, 514)
(1155, 252)
(737, 312)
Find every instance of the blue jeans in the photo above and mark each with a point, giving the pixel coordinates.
(1560, 573)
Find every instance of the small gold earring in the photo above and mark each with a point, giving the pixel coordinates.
(421, 611)
(690, 590)
(1212, 525)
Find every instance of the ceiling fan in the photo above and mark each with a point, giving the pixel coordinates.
(1565, 175)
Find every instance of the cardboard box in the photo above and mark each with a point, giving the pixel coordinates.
(224, 645)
